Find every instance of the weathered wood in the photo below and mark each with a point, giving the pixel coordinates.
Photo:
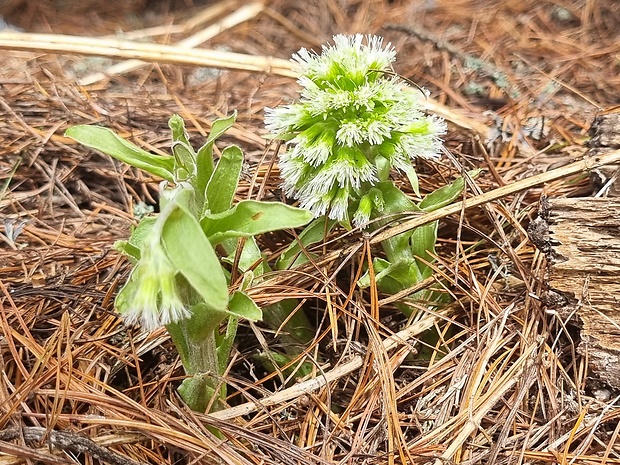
(605, 137)
(584, 274)
(581, 239)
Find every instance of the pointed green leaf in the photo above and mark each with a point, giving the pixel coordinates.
(204, 168)
(292, 324)
(133, 246)
(383, 168)
(412, 175)
(249, 255)
(275, 362)
(198, 392)
(392, 278)
(395, 200)
(177, 127)
(192, 254)
(224, 180)
(126, 248)
(379, 265)
(184, 154)
(250, 217)
(423, 241)
(112, 144)
(243, 306)
(220, 126)
(225, 343)
(185, 161)
(204, 158)
(443, 196)
(446, 195)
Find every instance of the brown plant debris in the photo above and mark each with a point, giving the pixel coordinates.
(495, 377)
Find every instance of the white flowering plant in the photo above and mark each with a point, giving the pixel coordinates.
(178, 280)
(355, 123)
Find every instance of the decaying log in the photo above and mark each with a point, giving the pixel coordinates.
(584, 277)
(581, 239)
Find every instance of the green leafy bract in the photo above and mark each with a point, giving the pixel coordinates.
(192, 253)
(204, 157)
(243, 306)
(108, 142)
(224, 180)
(251, 217)
(313, 233)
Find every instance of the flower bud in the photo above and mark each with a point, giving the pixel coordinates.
(150, 297)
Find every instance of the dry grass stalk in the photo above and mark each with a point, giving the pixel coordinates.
(238, 16)
(140, 52)
(157, 53)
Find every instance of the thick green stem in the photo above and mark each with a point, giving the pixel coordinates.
(202, 390)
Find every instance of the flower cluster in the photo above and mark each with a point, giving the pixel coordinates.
(354, 118)
(150, 297)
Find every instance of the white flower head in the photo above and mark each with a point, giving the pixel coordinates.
(340, 205)
(348, 56)
(352, 109)
(150, 297)
(351, 133)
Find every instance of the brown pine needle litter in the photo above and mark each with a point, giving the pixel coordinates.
(492, 378)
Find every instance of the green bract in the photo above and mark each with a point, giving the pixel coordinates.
(354, 122)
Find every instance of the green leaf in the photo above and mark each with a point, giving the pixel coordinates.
(314, 233)
(192, 254)
(198, 393)
(185, 161)
(383, 168)
(225, 343)
(446, 195)
(250, 217)
(443, 196)
(177, 127)
(126, 248)
(423, 241)
(224, 180)
(220, 126)
(295, 329)
(243, 306)
(133, 246)
(249, 255)
(275, 362)
(204, 168)
(395, 200)
(392, 278)
(204, 158)
(412, 175)
(112, 144)
(379, 265)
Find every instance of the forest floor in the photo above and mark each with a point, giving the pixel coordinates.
(493, 377)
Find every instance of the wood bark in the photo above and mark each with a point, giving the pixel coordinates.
(581, 239)
(584, 277)
(605, 137)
